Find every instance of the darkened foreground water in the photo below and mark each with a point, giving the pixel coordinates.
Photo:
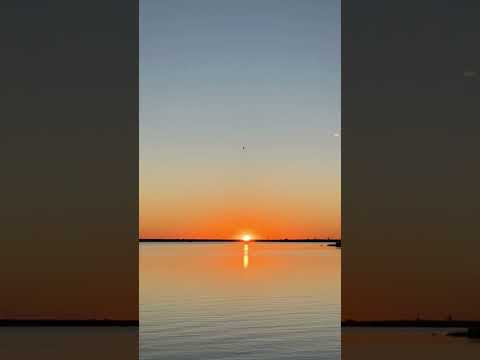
(60, 343)
(238, 301)
(406, 343)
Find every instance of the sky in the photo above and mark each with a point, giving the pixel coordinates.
(239, 107)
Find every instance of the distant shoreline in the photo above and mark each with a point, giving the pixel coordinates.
(413, 323)
(334, 241)
(67, 323)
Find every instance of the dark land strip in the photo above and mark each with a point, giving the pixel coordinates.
(412, 323)
(67, 323)
(326, 241)
(472, 327)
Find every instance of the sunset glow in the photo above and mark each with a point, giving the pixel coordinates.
(246, 237)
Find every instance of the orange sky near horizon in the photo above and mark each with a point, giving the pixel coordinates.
(283, 192)
(223, 203)
(218, 212)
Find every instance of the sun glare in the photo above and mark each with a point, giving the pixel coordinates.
(246, 237)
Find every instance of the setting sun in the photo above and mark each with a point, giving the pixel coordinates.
(246, 237)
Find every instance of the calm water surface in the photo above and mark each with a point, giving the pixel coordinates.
(406, 343)
(236, 301)
(72, 343)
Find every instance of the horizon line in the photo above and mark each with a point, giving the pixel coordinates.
(240, 240)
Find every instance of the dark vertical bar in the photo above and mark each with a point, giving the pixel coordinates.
(69, 155)
(410, 154)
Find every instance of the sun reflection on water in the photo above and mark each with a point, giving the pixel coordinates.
(245, 256)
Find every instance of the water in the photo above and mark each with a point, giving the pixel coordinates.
(236, 301)
(406, 343)
(72, 343)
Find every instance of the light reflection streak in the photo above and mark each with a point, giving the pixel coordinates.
(245, 256)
